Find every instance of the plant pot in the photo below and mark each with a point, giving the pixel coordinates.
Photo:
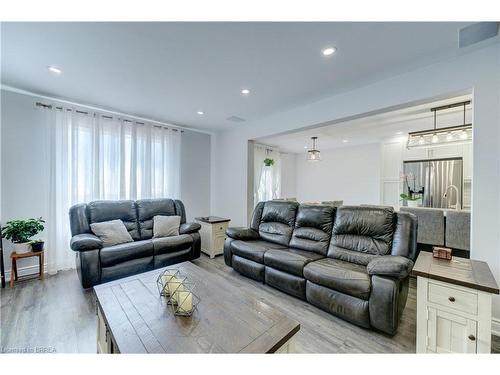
(37, 247)
(413, 203)
(23, 247)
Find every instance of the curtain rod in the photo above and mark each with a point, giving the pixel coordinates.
(272, 148)
(38, 96)
(50, 106)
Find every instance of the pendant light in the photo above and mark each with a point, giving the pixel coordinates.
(442, 136)
(313, 154)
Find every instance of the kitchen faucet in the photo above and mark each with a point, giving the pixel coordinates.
(456, 206)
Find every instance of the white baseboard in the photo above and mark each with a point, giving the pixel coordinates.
(25, 271)
(495, 326)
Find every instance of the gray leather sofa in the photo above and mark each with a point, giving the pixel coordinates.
(96, 264)
(352, 261)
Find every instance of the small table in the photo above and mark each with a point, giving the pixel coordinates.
(133, 318)
(453, 305)
(213, 234)
(15, 256)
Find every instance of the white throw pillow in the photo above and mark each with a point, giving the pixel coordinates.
(166, 226)
(111, 232)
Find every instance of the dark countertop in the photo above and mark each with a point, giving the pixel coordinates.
(212, 219)
(470, 273)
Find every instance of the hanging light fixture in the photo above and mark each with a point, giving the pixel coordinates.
(313, 154)
(442, 136)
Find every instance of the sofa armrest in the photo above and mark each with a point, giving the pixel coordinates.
(85, 242)
(189, 228)
(244, 234)
(390, 265)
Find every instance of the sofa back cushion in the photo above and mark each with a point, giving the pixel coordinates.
(99, 211)
(277, 221)
(361, 233)
(313, 228)
(147, 209)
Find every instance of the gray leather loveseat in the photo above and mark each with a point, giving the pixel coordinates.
(351, 261)
(96, 264)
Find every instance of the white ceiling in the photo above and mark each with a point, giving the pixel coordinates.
(169, 71)
(373, 129)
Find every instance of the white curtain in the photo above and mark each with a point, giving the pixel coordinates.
(267, 179)
(94, 156)
(259, 155)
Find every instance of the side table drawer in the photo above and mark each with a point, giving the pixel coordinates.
(219, 229)
(454, 298)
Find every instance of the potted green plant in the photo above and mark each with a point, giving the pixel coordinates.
(19, 233)
(37, 245)
(411, 201)
(268, 162)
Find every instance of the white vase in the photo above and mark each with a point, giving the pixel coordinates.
(413, 203)
(23, 247)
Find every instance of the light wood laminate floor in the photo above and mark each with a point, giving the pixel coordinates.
(57, 315)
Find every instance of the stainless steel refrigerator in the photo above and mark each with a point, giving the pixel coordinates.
(438, 181)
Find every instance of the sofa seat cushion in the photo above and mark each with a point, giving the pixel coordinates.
(253, 250)
(345, 277)
(113, 255)
(164, 245)
(290, 260)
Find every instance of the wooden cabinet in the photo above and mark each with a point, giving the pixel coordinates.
(450, 333)
(453, 317)
(213, 234)
(450, 317)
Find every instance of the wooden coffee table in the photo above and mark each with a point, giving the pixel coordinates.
(133, 318)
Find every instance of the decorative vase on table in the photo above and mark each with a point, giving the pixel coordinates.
(22, 247)
(37, 246)
(413, 203)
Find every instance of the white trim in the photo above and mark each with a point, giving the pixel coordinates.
(495, 327)
(33, 94)
(25, 271)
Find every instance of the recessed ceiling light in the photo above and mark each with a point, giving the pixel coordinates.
(245, 91)
(329, 51)
(201, 113)
(305, 146)
(399, 132)
(345, 140)
(54, 69)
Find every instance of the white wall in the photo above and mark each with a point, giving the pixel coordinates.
(351, 174)
(195, 173)
(477, 71)
(23, 183)
(288, 175)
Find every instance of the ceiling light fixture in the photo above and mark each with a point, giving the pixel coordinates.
(313, 154)
(54, 69)
(439, 136)
(245, 91)
(329, 51)
(345, 140)
(201, 113)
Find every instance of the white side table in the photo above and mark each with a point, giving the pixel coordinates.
(213, 234)
(453, 305)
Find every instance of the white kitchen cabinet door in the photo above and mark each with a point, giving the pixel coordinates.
(450, 333)
(391, 160)
(467, 157)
